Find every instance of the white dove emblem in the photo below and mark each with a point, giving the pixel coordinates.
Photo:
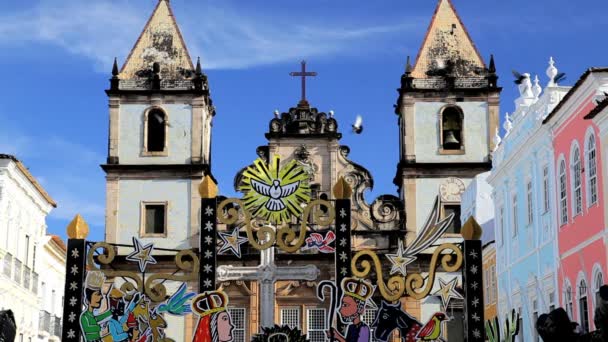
(276, 192)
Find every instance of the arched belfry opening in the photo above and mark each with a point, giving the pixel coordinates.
(451, 128)
(156, 130)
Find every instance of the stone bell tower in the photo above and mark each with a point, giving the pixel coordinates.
(159, 139)
(448, 113)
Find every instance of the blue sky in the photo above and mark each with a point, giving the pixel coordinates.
(56, 60)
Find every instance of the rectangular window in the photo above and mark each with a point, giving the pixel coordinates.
(34, 258)
(486, 282)
(514, 215)
(493, 287)
(563, 197)
(545, 189)
(290, 317)
(238, 320)
(534, 319)
(529, 200)
(592, 177)
(584, 314)
(551, 301)
(454, 227)
(501, 224)
(520, 336)
(26, 256)
(155, 218)
(316, 325)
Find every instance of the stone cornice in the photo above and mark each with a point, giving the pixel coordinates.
(28, 184)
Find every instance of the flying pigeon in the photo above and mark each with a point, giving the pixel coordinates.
(358, 125)
(276, 192)
(518, 77)
(559, 77)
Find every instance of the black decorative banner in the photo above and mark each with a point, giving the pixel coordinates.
(343, 242)
(208, 252)
(472, 272)
(73, 291)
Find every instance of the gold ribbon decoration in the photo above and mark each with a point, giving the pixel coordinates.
(157, 291)
(410, 285)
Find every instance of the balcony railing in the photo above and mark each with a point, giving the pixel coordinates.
(35, 283)
(26, 277)
(460, 83)
(7, 264)
(147, 84)
(18, 269)
(45, 321)
(55, 326)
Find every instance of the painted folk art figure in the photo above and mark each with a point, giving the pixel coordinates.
(90, 323)
(215, 323)
(355, 296)
(120, 314)
(391, 317)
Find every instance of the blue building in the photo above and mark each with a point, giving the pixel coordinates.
(524, 185)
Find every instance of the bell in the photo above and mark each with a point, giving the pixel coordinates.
(450, 139)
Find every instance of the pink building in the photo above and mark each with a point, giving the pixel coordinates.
(580, 200)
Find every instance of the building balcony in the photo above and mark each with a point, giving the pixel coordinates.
(147, 84)
(44, 323)
(459, 83)
(35, 283)
(18, 270)
(26, 277)
(7, 265)
(55, 326)
(13, 268)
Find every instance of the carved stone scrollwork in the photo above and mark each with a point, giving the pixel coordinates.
(388, 209)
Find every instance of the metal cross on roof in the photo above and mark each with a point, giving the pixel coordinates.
(303, 74)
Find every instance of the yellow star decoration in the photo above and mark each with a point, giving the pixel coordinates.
(447, 291)
(274, 192)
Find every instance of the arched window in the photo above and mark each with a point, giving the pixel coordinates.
(577, 191)
(156, 125)
(568, 300)
(599, 281)
(563, 199)
(583, 307)
(591, 171)
(451, 129)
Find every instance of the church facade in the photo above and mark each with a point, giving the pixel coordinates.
(161, 111)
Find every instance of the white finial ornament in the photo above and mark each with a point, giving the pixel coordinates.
(551, 72)
(497, 139)
(507, 125)
(276, 113)
(536, 89)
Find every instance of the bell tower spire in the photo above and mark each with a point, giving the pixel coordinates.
(448, 116)
(159, 138)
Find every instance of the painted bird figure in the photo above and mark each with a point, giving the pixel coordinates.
(358, 125)
(276, 192)
(431, 331)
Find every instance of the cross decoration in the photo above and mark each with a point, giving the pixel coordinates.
(303, 73)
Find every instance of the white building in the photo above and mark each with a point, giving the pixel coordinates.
(476, 201)
(23, 206)
(52, 280)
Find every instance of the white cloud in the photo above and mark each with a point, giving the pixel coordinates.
(223, 36)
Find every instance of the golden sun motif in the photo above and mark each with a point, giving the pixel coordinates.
(274, 192)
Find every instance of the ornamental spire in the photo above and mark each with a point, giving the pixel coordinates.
(551, 73)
